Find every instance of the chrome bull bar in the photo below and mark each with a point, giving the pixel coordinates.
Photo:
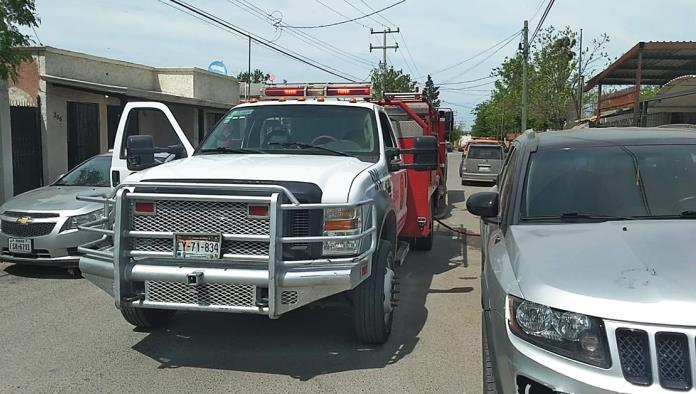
(111, 257)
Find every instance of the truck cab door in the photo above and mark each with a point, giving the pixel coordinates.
(153, 119)
(398, 178)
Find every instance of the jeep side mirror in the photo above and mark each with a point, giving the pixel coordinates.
(484, 204)
(140, 152)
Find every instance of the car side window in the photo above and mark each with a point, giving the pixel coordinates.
(387, 133)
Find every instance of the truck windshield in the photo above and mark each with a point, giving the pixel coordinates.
(296, 129)
(649, 181)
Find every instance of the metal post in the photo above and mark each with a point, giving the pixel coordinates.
(580, 79)
(525, 87)
(636, 94)
(247, 91)
(599, 102)
(6, 169)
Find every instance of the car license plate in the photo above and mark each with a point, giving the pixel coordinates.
(20, 246)
(197, 246)
(484, 169)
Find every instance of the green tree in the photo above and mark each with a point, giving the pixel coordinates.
(13, 14)
(431, 92)
(257, 76)
(392, 81)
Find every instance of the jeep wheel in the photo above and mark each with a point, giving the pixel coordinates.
(372, 299)
(145, 317)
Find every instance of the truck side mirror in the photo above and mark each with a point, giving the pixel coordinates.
(425, 153)
(140, 152)
(484, 204)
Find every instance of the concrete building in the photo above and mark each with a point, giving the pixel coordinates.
(65, 107)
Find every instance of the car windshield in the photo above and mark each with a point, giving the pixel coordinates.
(649, 181)
(490, 152)
(296, 129)
(93, 172)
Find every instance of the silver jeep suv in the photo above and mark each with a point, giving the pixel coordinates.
(589, 263)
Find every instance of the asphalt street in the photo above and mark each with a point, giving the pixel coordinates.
(59, 334)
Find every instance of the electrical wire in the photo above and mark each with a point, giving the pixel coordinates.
(543, 18)
(499, 48)
(492, 47)
(341, 14)
(264, 42)
(300, 35)
(469, 81)
(347, 20)
(466, 87)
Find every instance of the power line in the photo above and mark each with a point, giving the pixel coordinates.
(264, 42)
(345, 21)
(469, 81)
(537, 10)
(301, 35)
(499, 48)
(543, 18)
(341, 14)
(504, 41)
(467, 87)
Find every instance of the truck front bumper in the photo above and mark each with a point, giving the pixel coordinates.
(167, 285)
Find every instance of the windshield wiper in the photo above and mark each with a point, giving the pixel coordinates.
(683, 215)
(571, 216)
(223, 150)
(301, 145)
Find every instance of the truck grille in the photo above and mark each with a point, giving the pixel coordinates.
(200, 217)
(205, 294)
(26, 230)
(672, 353)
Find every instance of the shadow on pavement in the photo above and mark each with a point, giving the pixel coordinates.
(307, 342)
(38, 272)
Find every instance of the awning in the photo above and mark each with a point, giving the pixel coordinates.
(147, 95)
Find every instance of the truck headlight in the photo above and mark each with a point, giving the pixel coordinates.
(79, 220)
(342, 222)
(573, 335)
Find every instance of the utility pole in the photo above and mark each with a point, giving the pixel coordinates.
(384, 47)
(580, 79)
(525, 83)
(248, 87)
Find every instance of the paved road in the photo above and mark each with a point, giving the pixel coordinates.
(63, 335)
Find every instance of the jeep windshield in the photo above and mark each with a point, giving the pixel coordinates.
(300, 129)
(610, 183)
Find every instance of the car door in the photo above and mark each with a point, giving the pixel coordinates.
(147, 118)
(397, 178)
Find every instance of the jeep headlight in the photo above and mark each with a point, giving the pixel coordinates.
(573, 335)
(80, 220)
(342, 222)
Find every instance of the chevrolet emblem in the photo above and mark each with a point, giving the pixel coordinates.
(25, 220)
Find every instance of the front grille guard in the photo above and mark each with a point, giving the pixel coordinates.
(113, 245)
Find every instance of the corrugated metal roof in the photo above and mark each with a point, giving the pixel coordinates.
(661, 62)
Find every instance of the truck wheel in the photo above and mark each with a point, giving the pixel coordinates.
(145, 317)
(372, 299)
(489, 383)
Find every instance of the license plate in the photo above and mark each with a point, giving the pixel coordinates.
(197, 246)
(484, 169)
(20, 246)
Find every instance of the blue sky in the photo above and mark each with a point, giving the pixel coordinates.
(435, 34)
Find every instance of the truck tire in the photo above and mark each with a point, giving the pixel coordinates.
(490, 385)
(145, 317)
(372, 299)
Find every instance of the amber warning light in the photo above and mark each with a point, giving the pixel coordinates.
(358, 90)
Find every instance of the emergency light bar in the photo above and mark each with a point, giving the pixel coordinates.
(318, 90)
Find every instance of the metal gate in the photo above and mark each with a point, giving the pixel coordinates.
(27, 162)
(83, 132)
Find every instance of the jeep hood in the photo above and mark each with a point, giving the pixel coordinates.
(333, 174)
(636, 271)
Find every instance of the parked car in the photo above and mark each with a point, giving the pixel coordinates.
(481, 162)
(39, 227)
(448, 145)
(588, 263)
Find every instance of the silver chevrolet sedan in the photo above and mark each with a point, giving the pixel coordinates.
(589, 264)
(39, 227)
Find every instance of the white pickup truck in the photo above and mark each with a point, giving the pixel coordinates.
(284, 203)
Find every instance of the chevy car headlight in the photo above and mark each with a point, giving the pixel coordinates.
(80, 220)
(573, 335)
(342, 222)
